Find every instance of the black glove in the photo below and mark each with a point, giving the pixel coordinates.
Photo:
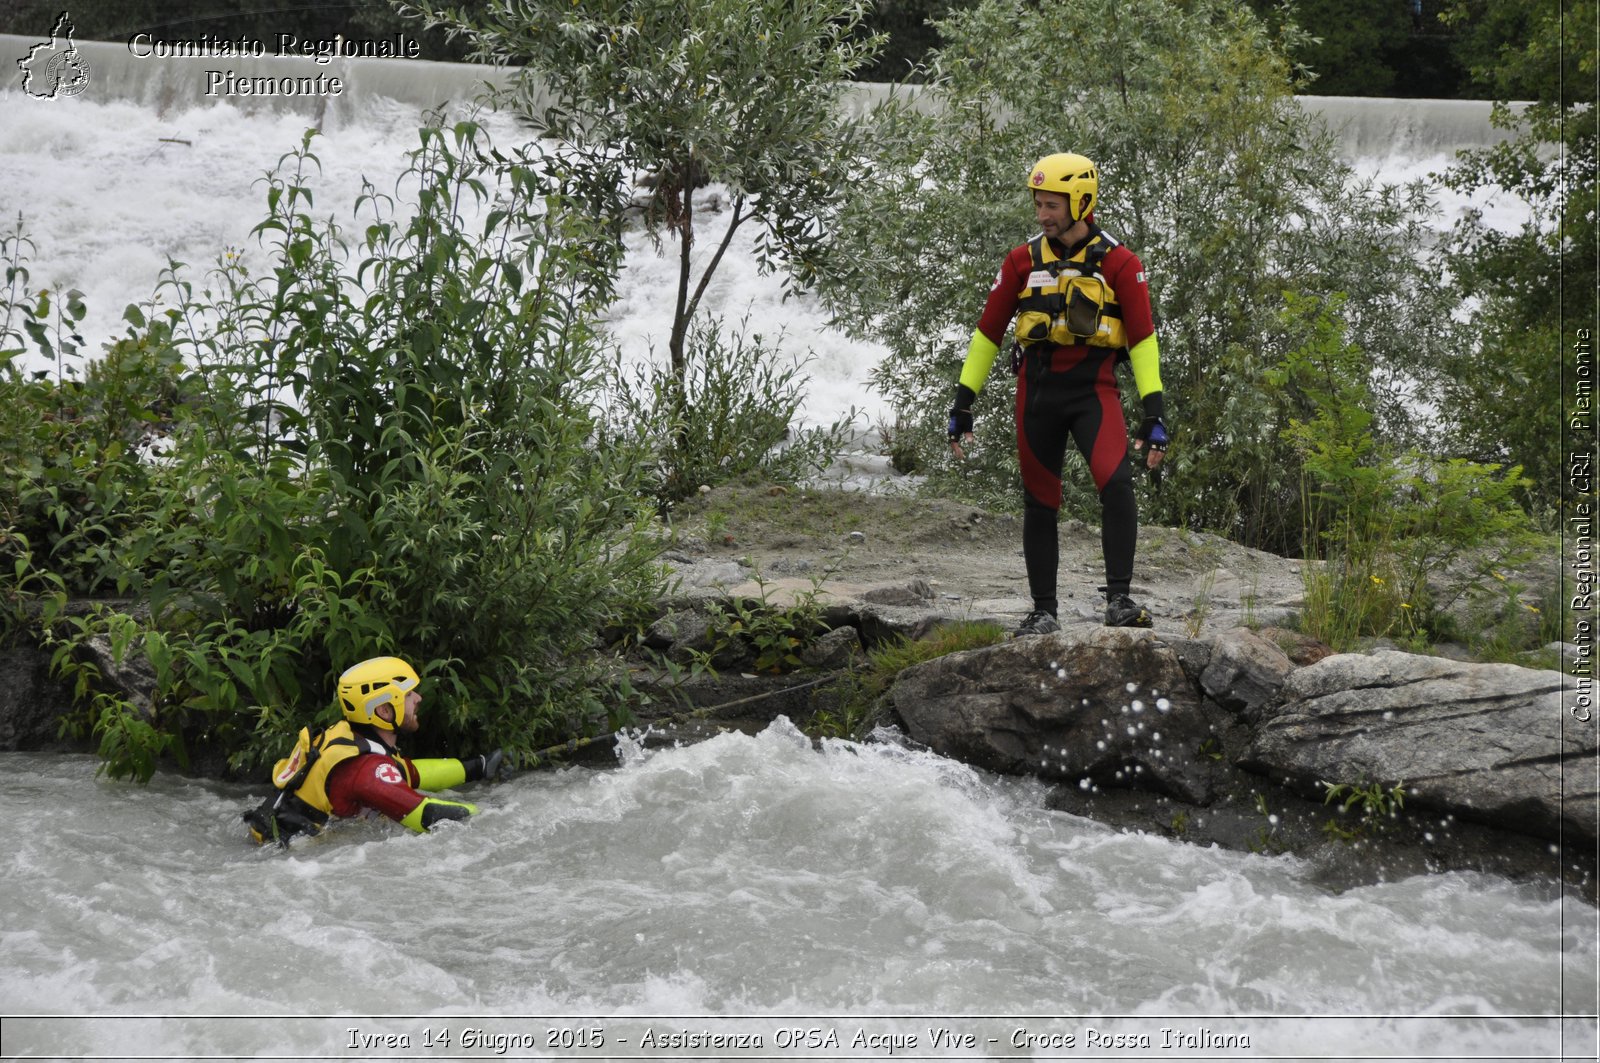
(1153, 430)
(961, 412)
(484, 765)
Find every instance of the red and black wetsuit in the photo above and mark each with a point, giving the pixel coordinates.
(385, 783)
(1070, 392)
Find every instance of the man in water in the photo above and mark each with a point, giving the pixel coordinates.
(355, 767)
(1081, 302)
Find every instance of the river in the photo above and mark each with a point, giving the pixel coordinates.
(742, 886)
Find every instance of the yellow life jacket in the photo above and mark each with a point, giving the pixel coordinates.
(331, 748)
(302, 805)
(1068, 301)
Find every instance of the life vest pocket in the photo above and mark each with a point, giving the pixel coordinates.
(1033, 326)
(1086, 299)
(291, 771)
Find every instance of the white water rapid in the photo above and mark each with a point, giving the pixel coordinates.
(143, 167)
(844, 903)
(745, 885)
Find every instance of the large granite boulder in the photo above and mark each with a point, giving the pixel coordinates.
(1245, 672)
(1488, 742)
(1105, 707)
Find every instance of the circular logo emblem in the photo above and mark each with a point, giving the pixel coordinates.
(390, 774)
(1038, 177)
(67, 73)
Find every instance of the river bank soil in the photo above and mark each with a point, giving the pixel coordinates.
(854, 544)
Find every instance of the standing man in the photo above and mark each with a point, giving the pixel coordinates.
(1081, 302)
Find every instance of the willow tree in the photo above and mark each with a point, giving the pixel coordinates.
(1231, 195)
(744, 93)
(1531, 289)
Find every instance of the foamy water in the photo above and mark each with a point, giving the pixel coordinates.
(109, 192)
(731, 886)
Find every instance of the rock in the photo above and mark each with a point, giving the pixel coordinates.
(1570, 653)
(1300, 648)
(32, 704)
(710, 574)
(880, 624)
(1194, 655)
(833, 650)
(1108, 707)
(1245, 672)
(917, 592)
(131, 676)
(665, 630)
(699, 636)
(709, 701)
(1480, 741)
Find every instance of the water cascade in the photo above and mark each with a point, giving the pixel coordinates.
(143, 167)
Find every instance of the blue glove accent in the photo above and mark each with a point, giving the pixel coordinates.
(1153, 430)
(961, 413)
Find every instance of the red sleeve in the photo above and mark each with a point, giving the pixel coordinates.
(1002, 304)
(1126, 274)
(373, 781)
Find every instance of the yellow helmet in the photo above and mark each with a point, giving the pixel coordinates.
(376, 681)
(1070, 175)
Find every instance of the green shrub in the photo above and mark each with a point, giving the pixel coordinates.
(744, 93)
(731, 417)
(774, 636)
(390, 447)
(1378, 809)
(1402, 535)
(1230, 194)
(73, 478)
